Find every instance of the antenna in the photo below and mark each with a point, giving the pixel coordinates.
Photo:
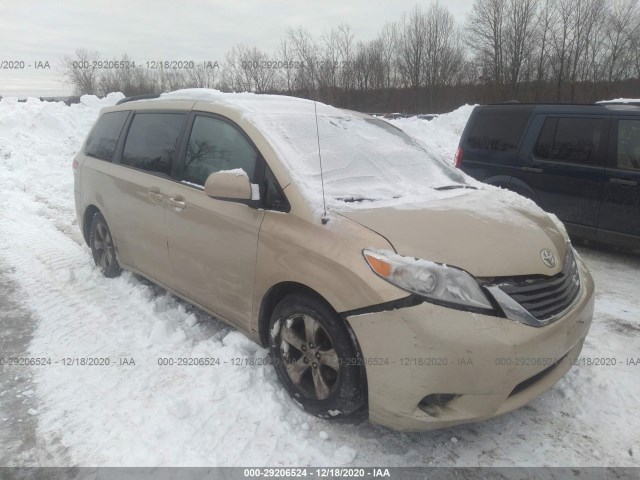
(324, 202)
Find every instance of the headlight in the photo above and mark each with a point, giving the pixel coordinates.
(435, 282)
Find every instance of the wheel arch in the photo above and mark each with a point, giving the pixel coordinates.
(88, 214)
(279, 291)
(273, 296)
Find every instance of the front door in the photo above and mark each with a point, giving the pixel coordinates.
(213, 243)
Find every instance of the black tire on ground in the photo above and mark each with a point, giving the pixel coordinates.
(102, 247)
(315, 358)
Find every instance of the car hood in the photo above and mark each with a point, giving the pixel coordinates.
(487, 232)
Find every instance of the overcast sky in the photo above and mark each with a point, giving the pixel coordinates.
(198, 30)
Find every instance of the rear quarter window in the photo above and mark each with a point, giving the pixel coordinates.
(103, 138)
(499, 129)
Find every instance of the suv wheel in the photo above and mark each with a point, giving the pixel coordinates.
(102, 247)
(315, 357)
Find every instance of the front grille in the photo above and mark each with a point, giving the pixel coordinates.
(545, 297)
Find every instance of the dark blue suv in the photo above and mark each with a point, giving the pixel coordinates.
(581, 162)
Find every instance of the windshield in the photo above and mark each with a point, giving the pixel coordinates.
(364, 159)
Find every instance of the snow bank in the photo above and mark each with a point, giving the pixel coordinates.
(38, 141)
(442, 133)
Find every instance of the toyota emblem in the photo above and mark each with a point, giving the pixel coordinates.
(548, 258)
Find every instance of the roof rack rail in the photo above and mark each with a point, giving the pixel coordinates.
(138, 97)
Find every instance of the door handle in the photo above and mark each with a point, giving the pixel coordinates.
(156, 196)
(531, 169)
(177, 203)
(621, 181)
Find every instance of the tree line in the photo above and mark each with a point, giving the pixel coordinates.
(425, 61)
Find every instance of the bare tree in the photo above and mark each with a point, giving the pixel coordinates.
(412, 31)
(126, 78)
(80, 71)
(203, 76)
(545, 24)
(305, 49)
(249, 70)
(587, 18)
(622, 27)
(519, 32)
(287, 74)
(486, 35)
(442, 50)
(387, 41)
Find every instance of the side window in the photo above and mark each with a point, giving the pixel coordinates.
(102, 141)
(499, 129)
(629, 144)
(152, 141)
(571, 140)
(274, 198)
(545, 141)
(215, 145)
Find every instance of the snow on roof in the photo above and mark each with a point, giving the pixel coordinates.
(251, 102)
(621, 100)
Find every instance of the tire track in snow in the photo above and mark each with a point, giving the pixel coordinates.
(19, 444)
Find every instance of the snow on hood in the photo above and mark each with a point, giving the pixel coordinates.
(489, 233)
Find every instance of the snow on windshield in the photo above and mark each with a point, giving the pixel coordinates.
(362, 158)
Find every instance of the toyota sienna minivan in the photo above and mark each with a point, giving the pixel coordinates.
(381, 278)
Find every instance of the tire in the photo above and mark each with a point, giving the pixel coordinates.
(316, 359)
(102, 247)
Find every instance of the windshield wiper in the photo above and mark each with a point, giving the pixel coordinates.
(355, 199)
(453, 187)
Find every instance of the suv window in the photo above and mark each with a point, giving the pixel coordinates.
(102, 141)
(573, 140)
(499, 129)
(215, 145)
(629, 144)
(152, 141)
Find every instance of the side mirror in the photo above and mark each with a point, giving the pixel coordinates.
(229, 185)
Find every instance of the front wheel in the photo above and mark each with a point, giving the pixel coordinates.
(102, 247)
(315, 358)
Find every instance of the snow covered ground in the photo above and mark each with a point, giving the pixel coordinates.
(150, 414)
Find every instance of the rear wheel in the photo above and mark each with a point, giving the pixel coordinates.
(102, 247)
(315, 357)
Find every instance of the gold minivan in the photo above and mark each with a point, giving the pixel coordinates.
(382, 279)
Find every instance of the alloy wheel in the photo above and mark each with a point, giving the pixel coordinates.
(309, 355)
(103, 246)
